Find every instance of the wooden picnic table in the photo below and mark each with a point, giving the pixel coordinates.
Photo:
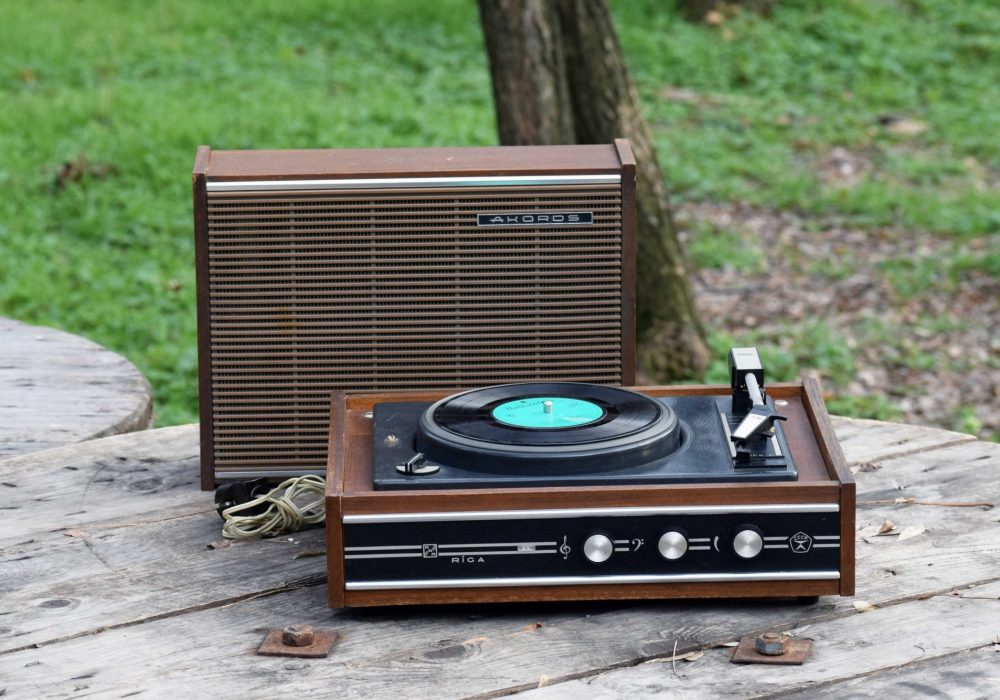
(110, 586)
(57, 388)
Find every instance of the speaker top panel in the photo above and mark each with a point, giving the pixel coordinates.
(408, 162)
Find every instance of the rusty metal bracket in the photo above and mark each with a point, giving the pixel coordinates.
(301, 641)
(772, 648)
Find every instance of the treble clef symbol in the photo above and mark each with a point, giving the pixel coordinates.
(564, 549)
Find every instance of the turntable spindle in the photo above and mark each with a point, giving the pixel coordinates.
(547, 406)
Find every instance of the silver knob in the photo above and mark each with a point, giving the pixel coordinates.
(673, 545)
(598, 548)
(748, 543)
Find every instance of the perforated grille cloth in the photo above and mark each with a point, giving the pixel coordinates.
(383, 290)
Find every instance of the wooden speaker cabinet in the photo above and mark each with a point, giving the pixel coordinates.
(400, 269)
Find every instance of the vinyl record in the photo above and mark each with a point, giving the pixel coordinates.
(547, 427)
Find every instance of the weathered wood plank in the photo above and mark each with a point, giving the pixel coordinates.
(887, 570)
(968, 675)
(869, 440)
(127, 478)
(51, 558)
(965, 472)
(958, 544)
(469, 651)
(843, 648)
(57, 389)
(143, 558)
(76, 605)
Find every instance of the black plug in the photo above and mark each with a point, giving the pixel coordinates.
(239, 492)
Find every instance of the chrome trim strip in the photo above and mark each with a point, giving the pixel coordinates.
(495, 544)
(382, 547)
(590, 580)
(445, 555)
(409, 182)
(491, 552)
(541, 513)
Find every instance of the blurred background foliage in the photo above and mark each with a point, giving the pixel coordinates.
(104, 102)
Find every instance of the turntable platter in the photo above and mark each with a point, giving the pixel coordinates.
(550, 428)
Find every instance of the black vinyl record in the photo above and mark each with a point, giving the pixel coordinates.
(548, 427)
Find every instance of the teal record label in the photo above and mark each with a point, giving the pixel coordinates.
(547, 412)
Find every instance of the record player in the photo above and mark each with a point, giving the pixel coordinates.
(565, 491)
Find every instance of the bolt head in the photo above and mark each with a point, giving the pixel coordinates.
(297, 635)
(391, 440)
(771, 644)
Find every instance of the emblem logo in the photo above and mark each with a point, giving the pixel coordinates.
(800, 543)
(430, 551)
(536, 218)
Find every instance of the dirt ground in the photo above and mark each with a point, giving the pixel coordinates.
(932, 353)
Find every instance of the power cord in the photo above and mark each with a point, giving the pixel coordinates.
(273, 512)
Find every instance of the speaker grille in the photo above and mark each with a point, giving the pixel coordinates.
(396, 289)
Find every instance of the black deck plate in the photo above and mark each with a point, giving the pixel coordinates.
(703, 457)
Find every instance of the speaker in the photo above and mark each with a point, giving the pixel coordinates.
(398, 269)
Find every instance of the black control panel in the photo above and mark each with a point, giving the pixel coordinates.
(615, 545)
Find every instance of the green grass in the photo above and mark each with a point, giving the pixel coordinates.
(713, 247)
(133, 87)
(781, 92)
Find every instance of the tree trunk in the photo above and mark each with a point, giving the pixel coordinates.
(560, 77)
(528, 71)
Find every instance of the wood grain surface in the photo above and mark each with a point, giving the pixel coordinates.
(57, 389)
(108, 588)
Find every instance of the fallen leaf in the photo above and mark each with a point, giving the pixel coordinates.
(676, 94)
(867, 532)
(886, 526)
(869, 466)
(864, 606)
(532, 627)
(693, 656)
(75, 533)
(310, 553)
(729, 644)
(713, 18)
(27, 75)
(907, 127)
(542, 681)
(911, 531)
(221, 544)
